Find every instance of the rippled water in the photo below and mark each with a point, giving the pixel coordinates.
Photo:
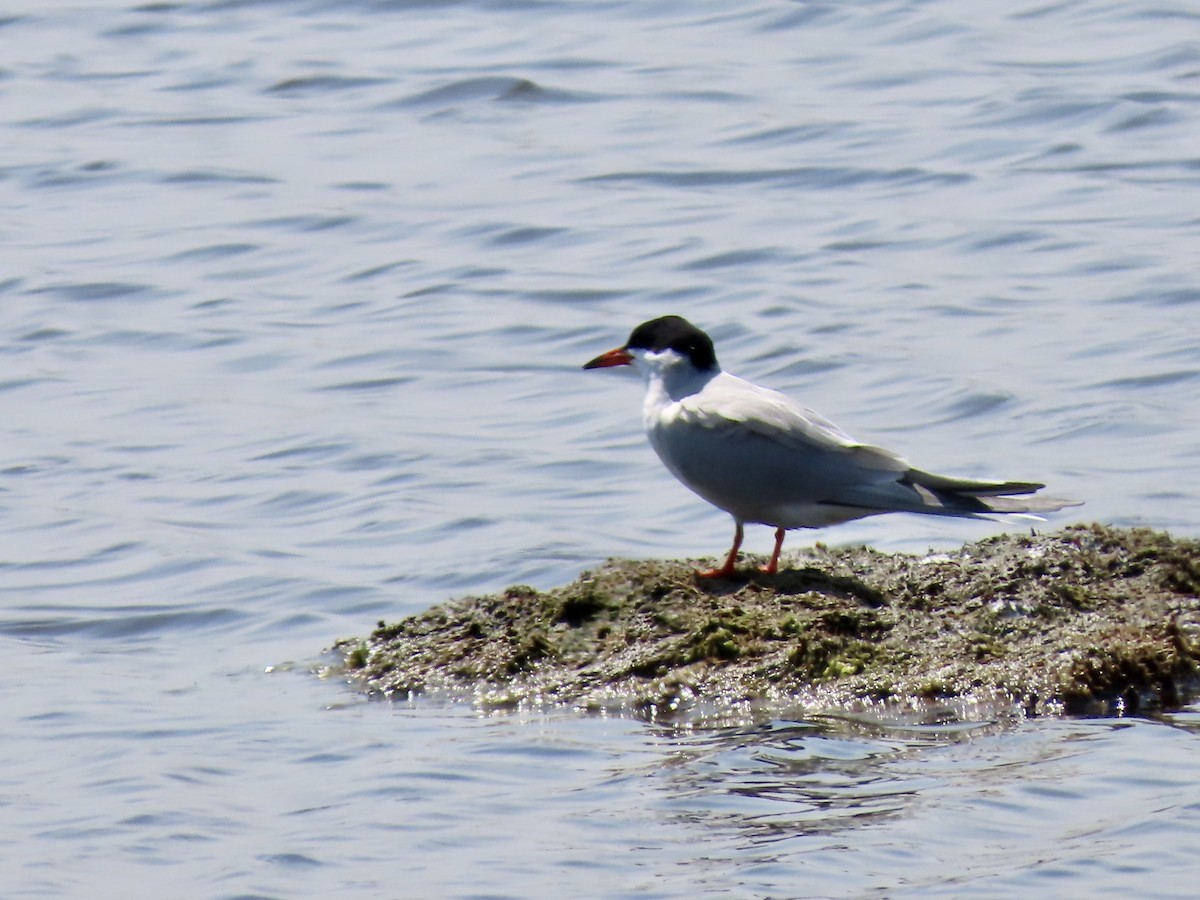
(295, 296)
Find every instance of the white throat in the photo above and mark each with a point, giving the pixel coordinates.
(670, 377)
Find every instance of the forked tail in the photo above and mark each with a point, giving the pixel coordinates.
(961, 496)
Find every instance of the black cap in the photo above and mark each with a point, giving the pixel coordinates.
(678, 334)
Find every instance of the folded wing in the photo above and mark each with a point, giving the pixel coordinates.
(806, 459)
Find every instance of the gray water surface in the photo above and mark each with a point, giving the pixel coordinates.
(295, 296)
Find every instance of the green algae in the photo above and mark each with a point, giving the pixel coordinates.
(1089, 619)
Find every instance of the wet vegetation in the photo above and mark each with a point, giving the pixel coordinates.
(1090, 619)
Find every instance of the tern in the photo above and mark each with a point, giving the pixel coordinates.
(766, 459)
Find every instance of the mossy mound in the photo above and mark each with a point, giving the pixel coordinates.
(1088, 619)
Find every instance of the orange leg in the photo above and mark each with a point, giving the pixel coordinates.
(726, 570)
(771, 567)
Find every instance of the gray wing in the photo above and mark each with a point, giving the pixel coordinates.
(732, 407)
(764, 457)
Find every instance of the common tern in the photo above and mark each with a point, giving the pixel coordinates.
(764, 458)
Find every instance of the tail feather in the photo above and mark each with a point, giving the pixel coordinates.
(1030, 505)
(942, 485)
(938, 495)
(973, 496)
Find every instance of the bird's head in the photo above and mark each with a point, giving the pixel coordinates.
(663, 345)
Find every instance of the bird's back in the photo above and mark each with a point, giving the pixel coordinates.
(761, 456)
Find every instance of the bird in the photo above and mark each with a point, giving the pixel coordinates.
(766, 459)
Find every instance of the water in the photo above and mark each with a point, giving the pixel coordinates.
(295, 296)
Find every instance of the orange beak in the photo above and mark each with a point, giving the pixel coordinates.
(618, 357)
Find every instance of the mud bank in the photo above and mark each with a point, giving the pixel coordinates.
(1085, 620)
